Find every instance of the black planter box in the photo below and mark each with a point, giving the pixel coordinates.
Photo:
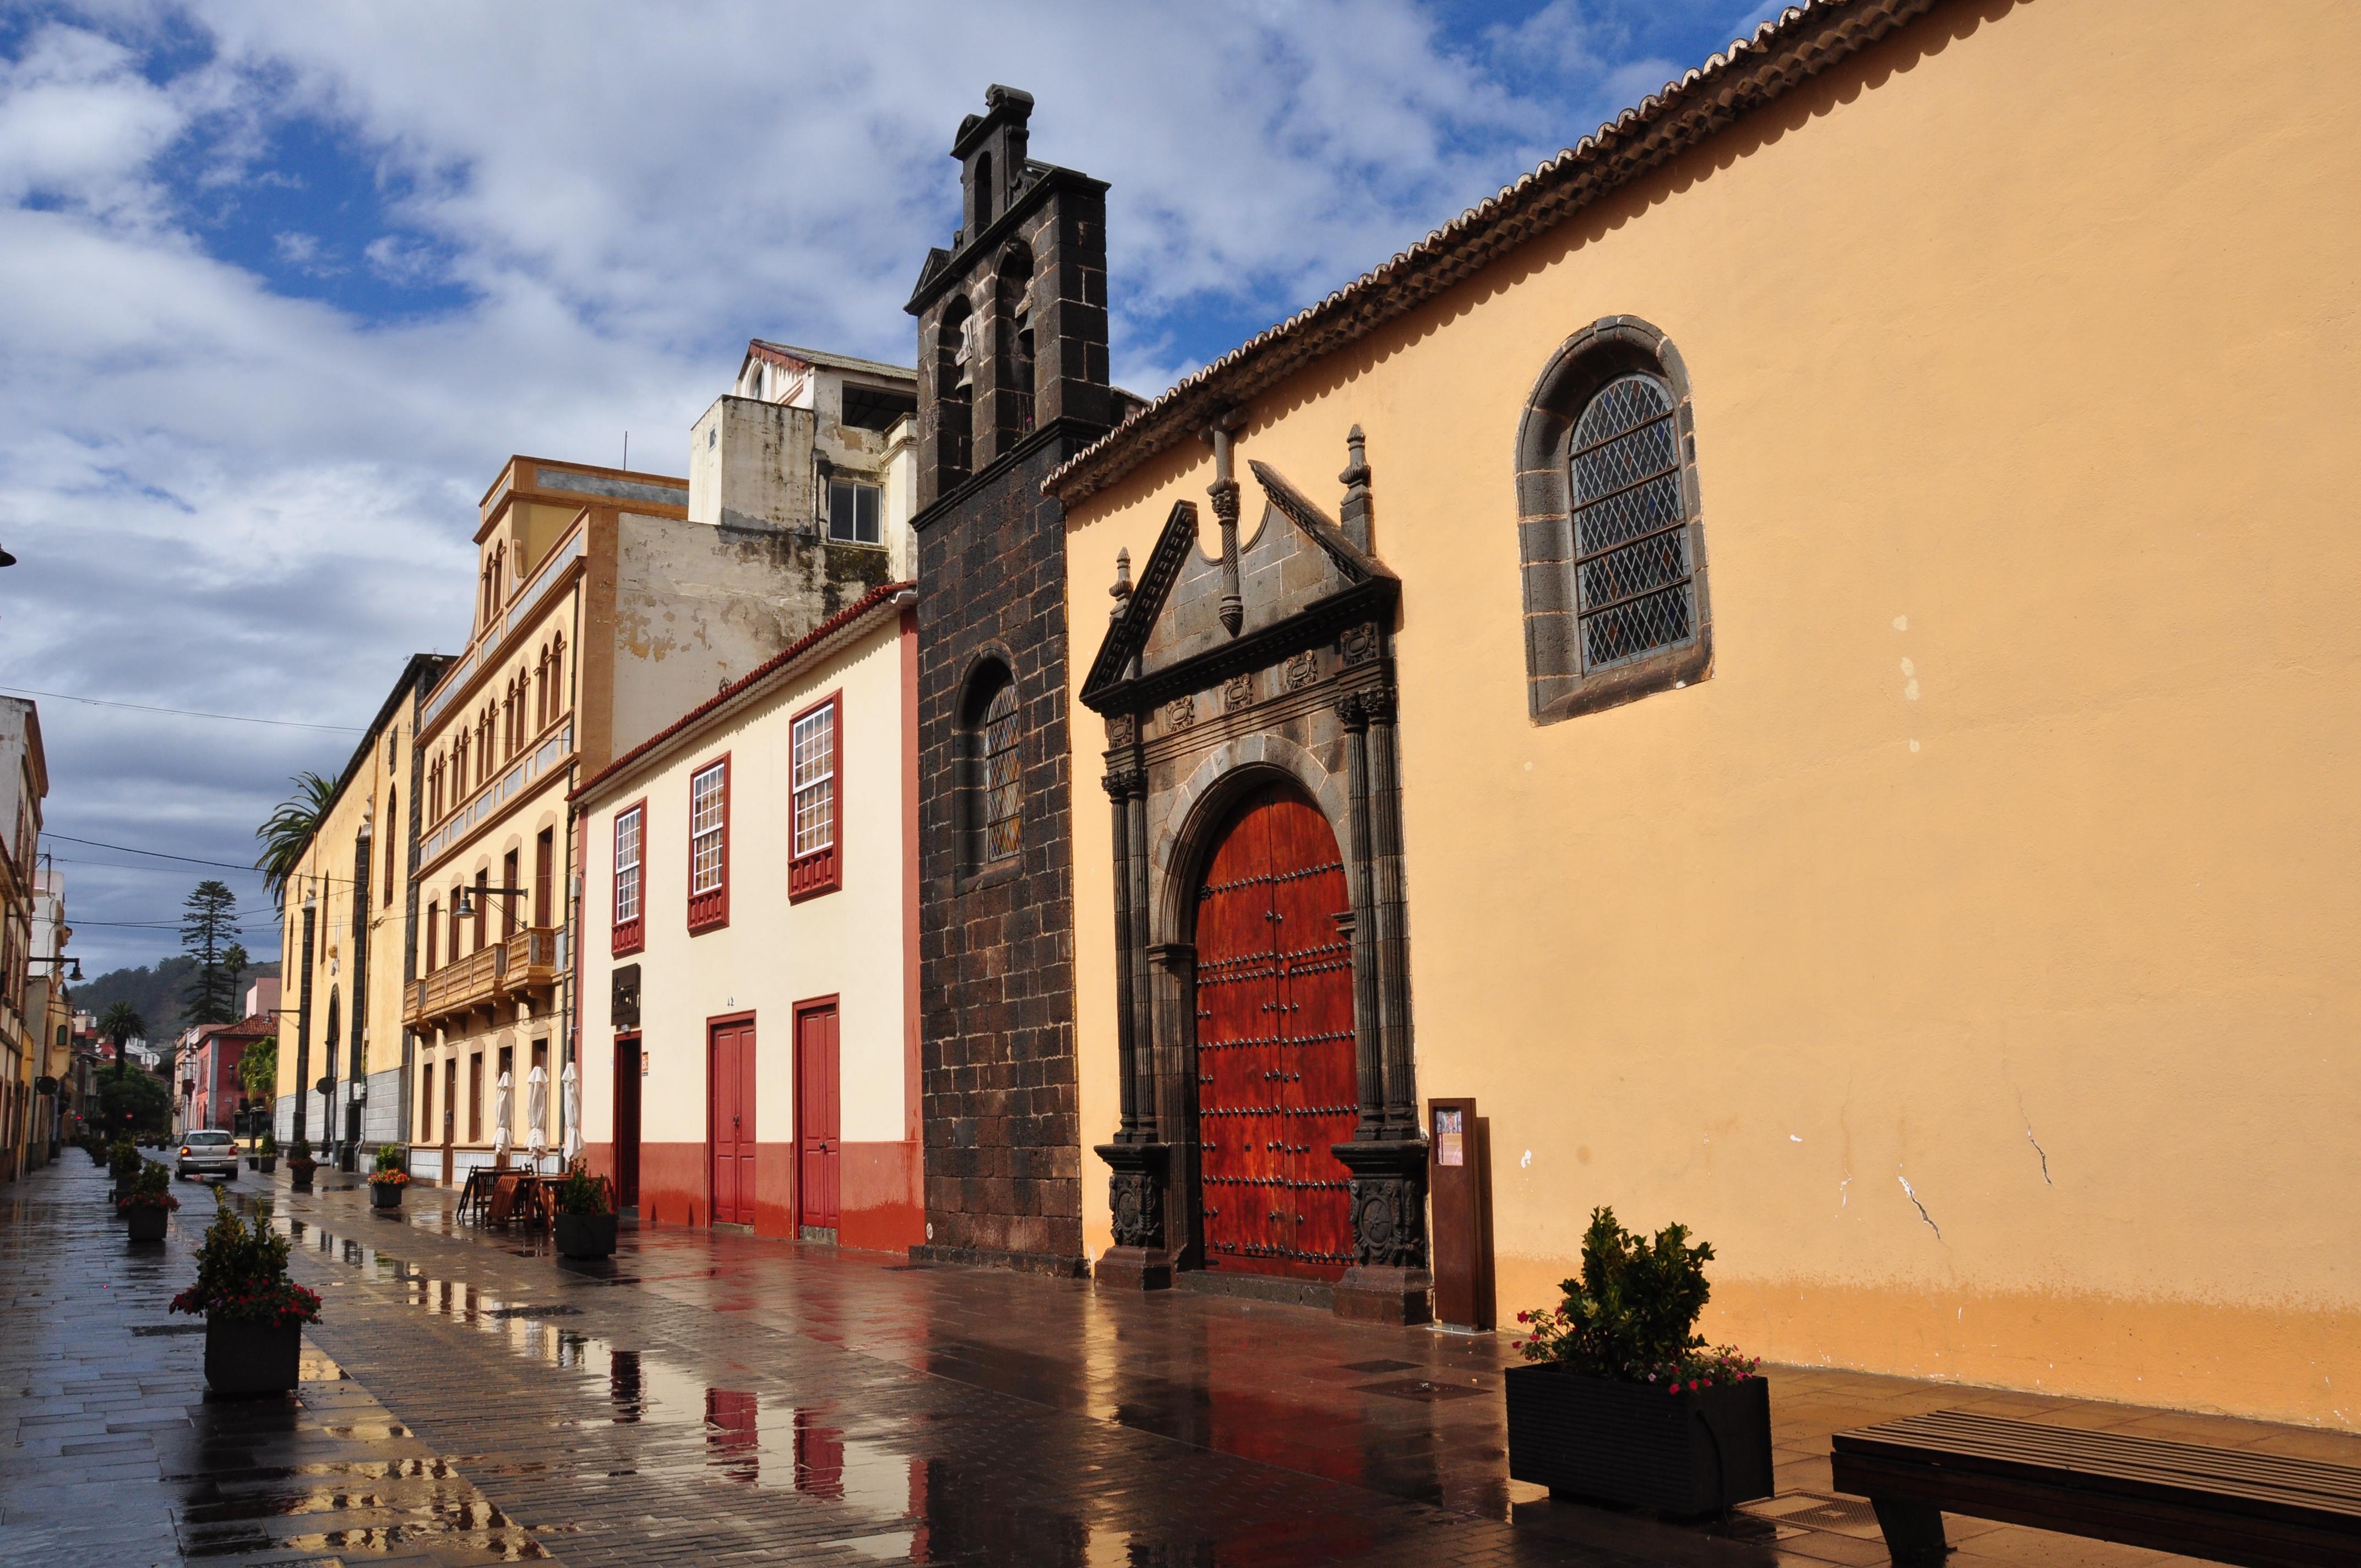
(270, 1164)
(247, 1359)
(584, 1235)
(146, 1223)
(1634, 1443)
(300, 1173)
(386, 1194)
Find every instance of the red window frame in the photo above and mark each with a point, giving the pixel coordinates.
(709, 910)
(821, 871)
(631, 935)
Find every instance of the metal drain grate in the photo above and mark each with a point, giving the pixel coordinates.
(1816, 1510)
(1381, 1367)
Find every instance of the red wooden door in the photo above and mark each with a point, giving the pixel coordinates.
(1276, 1084)
(627, 1121)
(731, 1078)
(820, 1118)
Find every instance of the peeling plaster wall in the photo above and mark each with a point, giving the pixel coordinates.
(2012, 849)
(696, 606)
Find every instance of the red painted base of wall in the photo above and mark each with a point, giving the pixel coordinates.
(882, 1207)
(883, 1204)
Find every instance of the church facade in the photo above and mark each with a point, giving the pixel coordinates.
(1796, 656)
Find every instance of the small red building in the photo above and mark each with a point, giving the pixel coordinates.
(210, 1053)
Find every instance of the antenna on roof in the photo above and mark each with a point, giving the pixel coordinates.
(627, 451)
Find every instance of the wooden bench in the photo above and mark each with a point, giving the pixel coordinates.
(2226, 1505)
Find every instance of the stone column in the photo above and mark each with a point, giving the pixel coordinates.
(1120, 803)
(1389, 1281)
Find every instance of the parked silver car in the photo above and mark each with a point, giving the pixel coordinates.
(204, 1154)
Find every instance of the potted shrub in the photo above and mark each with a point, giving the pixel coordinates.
(267, 1151)
(149, 1202)
(585, 1222)
(122, 1163)
(1625, 1402)
(301, 1165)
(254, 1314)
(389, 1179)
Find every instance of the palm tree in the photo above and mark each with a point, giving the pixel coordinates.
(287, 833)
(121, 1023)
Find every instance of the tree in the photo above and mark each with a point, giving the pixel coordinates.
(209, 928)
(287, 832)
(258, 1072)
(121, 1023)
(235, 961)
(139, 1103)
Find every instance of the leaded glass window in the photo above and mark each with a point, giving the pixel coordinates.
(1632, 571)
(1003, 794)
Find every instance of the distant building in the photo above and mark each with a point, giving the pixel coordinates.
(49, 1013)
(24, 783)
(211, 1092)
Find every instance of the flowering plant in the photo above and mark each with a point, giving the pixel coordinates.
(150, 1189)
(388, 1171)
(1631, 1316)
(389, 1179)
(242, 1277)
(299, 1152)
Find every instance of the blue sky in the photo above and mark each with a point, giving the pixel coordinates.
(281, 285)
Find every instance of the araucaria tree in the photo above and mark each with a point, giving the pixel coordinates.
(208, 931)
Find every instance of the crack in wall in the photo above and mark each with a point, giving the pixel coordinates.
(2042, 1152)
(1913, 1196)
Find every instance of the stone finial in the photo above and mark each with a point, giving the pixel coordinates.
(1122, 588)
(1354, 516)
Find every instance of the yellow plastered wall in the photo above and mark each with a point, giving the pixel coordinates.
(2009, 850)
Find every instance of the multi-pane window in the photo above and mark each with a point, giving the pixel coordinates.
(852, 512)
(630, 834)
(1633, 570)
(1002, 797)
(813, 865)
(708, 847)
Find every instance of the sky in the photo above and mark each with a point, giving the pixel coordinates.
(282, 285)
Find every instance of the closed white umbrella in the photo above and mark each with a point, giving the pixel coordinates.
(501, 1116)
(570, 1100)
(536, 1113)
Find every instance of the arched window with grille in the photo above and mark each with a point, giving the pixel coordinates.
(1609, 528)
(992, 790)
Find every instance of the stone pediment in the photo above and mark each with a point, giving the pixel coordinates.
(1300, 577)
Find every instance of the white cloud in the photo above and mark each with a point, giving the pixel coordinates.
(229, 499)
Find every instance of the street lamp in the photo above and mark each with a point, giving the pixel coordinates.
(73, 974)
(467, 907)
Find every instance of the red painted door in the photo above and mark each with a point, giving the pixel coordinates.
(1276, 1084)
(819, 1118)
(627, 1121)
(731, 1078)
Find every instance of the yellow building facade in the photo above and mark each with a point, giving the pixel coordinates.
(1947, 914)
(348, 943)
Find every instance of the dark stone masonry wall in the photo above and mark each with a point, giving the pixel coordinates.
(997, 950)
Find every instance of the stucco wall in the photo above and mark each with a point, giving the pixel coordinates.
(773, 954)
(2009, 848)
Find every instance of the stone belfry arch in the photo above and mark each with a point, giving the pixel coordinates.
(1012, 345)
(1249, 667)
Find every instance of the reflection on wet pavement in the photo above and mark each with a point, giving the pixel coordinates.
(167, 1471)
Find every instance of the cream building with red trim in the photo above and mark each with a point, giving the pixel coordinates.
(749, 967)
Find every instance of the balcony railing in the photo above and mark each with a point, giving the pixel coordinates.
(526, 963)
(530, 961)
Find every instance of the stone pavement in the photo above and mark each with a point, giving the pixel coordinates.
(714, 1398)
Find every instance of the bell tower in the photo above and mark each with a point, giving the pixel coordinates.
(1012, 317)
(1012, 383)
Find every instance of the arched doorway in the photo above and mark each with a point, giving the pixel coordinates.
(1276, 1075)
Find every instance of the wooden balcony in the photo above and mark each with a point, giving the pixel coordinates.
(518, 966)
(531, 961)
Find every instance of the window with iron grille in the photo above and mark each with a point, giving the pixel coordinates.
(708, 847)
(1631, 539)
(630, 831)
(814, 864)
(852, 512)
(1608, 525)
(1001, 794)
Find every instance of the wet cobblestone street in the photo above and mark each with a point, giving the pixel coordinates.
(469, 1398)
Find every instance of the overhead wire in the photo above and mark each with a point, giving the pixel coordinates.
(185, 712)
